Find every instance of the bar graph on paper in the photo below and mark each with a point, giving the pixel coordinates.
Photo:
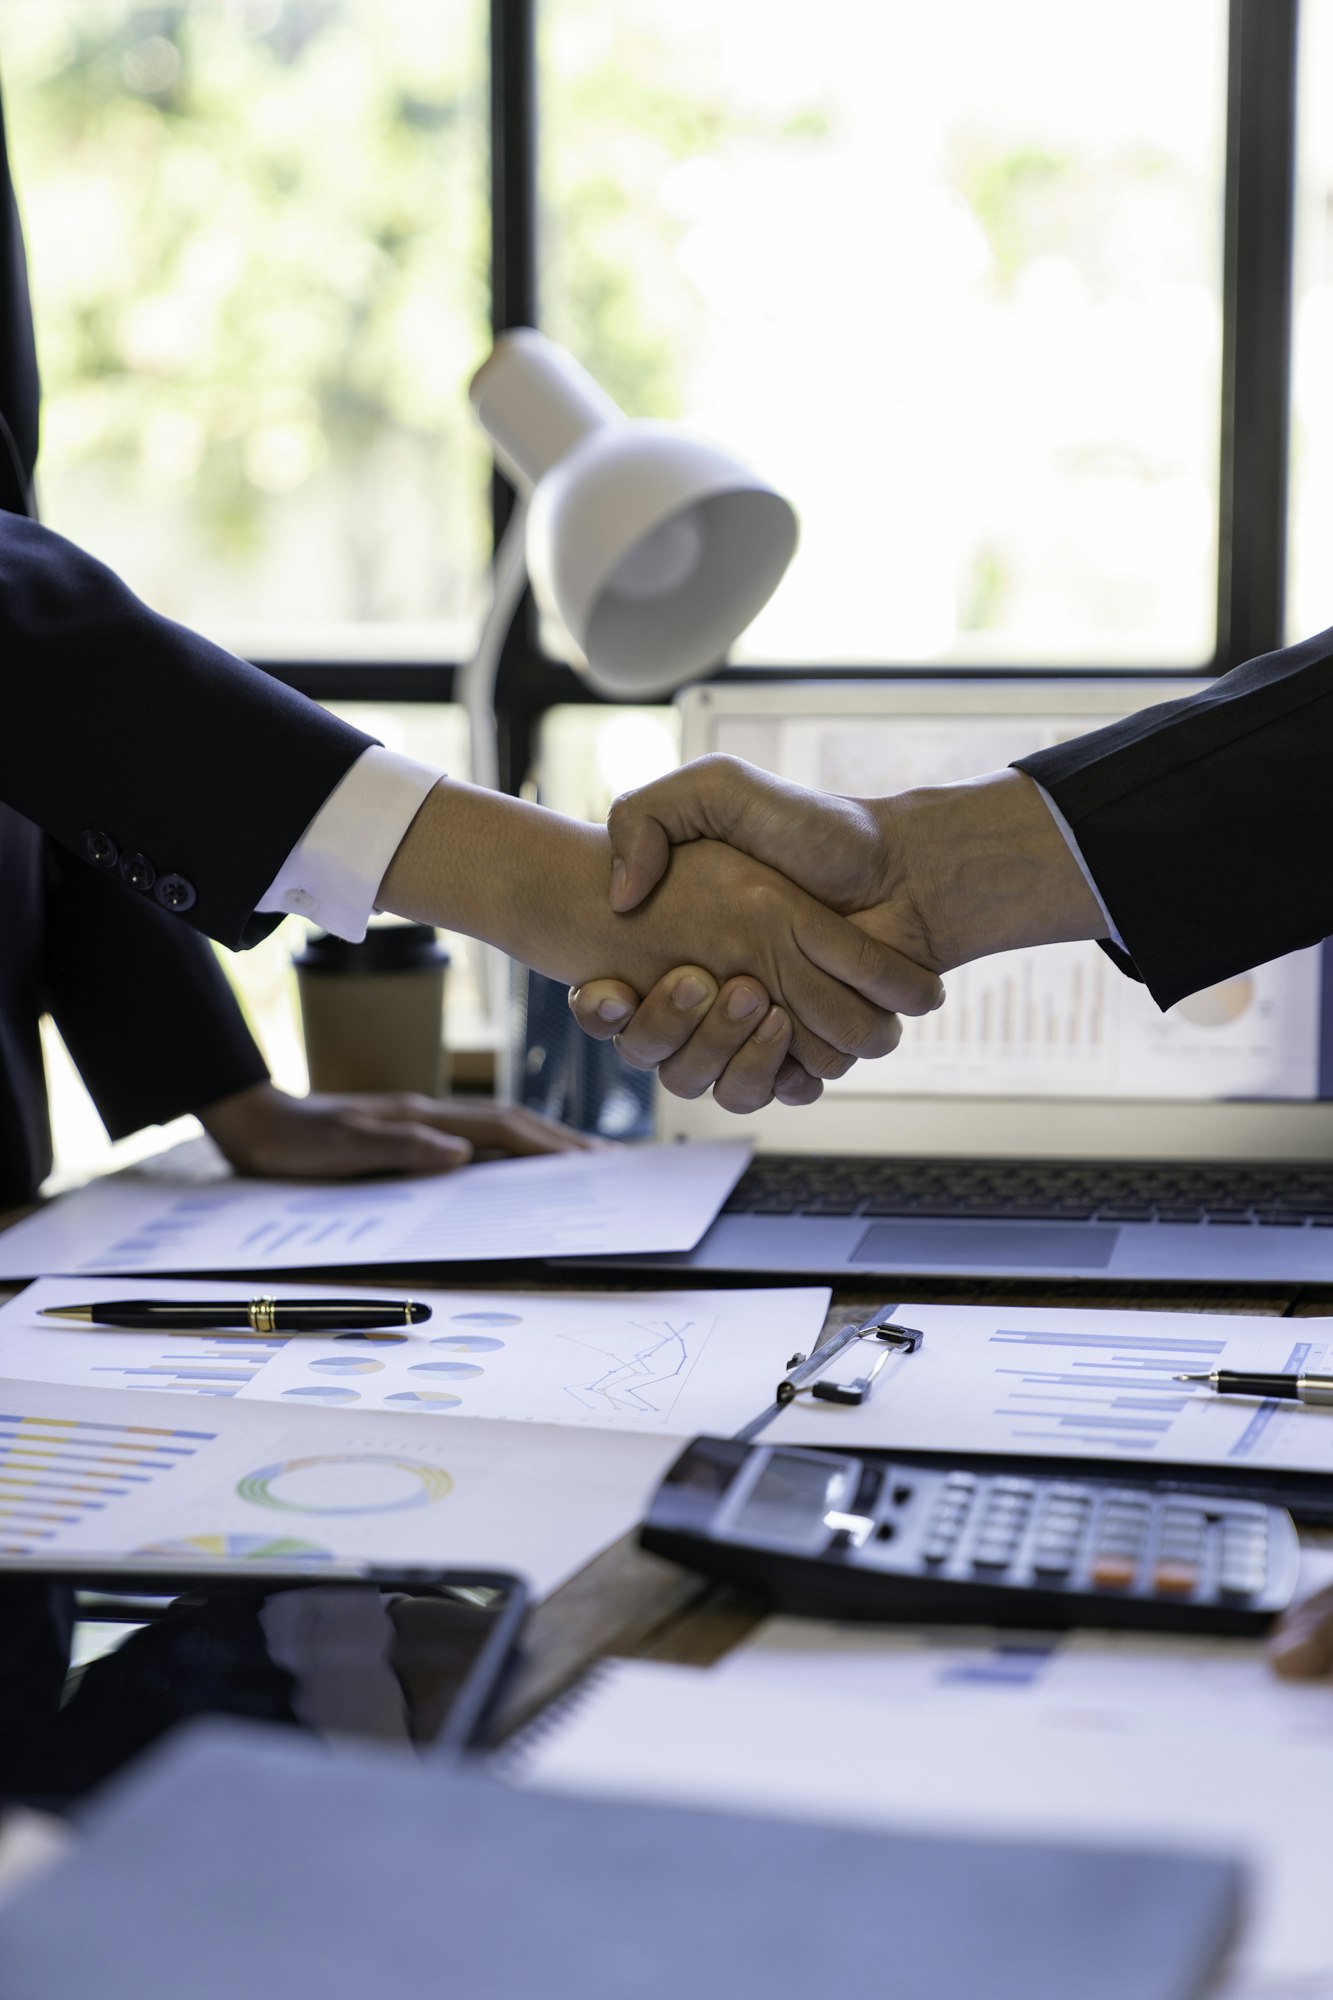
(58, 1473)
(1080, 1390)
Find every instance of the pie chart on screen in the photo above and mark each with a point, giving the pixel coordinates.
(1218, 1006)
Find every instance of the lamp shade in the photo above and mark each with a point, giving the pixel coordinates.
(653, 548)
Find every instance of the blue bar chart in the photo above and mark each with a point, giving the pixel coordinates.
(203, 1365)
(1115, 1392)
(57, 1472)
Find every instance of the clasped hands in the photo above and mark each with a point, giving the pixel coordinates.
(925, 881)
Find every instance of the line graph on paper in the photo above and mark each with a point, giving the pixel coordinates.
(637, 1373)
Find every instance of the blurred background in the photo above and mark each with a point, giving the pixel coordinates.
(958, 279)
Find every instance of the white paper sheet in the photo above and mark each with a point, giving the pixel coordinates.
(620, 1200)
(680, 1733)
(669, 1363)
(1116, 1682)
(111, 1473)
(1080, 1383)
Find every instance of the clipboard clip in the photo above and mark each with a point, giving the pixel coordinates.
(806, 1370)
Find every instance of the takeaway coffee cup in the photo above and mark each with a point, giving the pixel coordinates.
(373, 1013)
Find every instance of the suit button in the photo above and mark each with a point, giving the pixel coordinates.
(100, 848)
(173, 892)
(138, 871)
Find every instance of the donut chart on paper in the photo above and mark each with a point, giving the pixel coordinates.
(345, 1483)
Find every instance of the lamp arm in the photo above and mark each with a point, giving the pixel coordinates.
(476, 679)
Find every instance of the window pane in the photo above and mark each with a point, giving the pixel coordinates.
(1310, 577)
(258, 236)
(950, 275)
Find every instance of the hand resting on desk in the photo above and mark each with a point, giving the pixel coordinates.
(265, 1131)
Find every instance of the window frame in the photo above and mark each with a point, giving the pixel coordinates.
(1258, 237)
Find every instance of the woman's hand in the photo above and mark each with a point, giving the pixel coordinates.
(328, 1136)
(697, 1035)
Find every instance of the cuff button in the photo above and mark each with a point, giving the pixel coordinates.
(100, 848)
(173, 892)
(138, 871)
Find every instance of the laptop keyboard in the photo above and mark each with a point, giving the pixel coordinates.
(1228, 1195)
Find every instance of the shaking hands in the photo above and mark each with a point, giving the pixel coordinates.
(937, 876)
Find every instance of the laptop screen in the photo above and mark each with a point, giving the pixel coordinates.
(1060, 1022)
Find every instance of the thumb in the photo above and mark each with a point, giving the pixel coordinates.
(640, 850)
(694, 803)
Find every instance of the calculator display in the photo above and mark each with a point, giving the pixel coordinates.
(791, 1496)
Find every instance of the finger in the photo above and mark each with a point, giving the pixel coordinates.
(669, 1016)
(508, 1128)
(747, 1082)
(355, 1144)
(887, 978)
(739, 1012)
(795, 1085)
(1301, 1648)
(602, 1006)
(833, 1026)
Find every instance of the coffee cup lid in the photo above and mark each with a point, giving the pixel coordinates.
(392, 946)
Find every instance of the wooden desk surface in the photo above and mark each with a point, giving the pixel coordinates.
(626, 1602)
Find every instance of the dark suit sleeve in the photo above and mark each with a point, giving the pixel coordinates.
(141, 1002)
(1205, 822)
(129, 738)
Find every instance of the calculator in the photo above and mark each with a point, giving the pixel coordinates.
(849, 1535)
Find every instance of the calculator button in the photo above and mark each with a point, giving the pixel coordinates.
(1017, 1488)
(934, 1551)
(1110, 1572)
(989, 1558)
(1053, 1562)
(1175, 1579)
(1241, 1582)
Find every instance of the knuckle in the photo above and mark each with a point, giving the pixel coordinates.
(819, 1059)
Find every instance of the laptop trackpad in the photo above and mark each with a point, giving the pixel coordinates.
(924, 1246)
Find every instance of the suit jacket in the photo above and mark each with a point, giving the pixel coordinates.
(1205, 822)
(150, 787)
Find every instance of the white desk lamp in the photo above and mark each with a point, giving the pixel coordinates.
(653, 548)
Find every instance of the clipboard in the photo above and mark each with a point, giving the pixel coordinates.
(1306, 1495)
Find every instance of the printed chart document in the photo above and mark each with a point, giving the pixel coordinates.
(620, 1200)
(1119, 1683)
(1081, 1383)
(665, 1363)
(116, 1474)
(692, 1735)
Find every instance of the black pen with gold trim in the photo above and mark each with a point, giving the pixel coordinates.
(255, 1315)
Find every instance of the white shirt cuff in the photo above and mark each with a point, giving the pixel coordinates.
(333, 874)
(1067, 834)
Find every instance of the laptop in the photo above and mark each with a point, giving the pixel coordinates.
(1048, 1121)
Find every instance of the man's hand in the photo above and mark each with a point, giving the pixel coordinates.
(946, 873)
(266, 1132)
(537, 886)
